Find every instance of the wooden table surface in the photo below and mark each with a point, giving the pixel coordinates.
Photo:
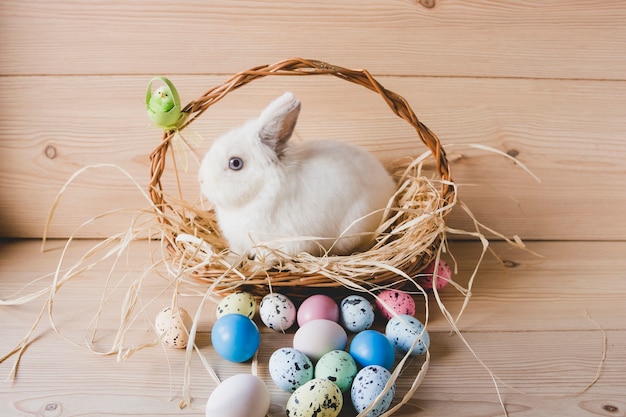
(551, 329)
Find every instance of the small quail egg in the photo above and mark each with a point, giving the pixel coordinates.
(357, 314)
(395, 301)
(290, 369)
(173, 328)
(444, 275)
(318, 397)
(337, 366)
(403, 330)
(367, 385)
(237, 303)
(277, 312)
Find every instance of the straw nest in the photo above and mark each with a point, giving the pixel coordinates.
(408, 239)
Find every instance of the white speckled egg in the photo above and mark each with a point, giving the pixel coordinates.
(237, 303)
(403, 330)
(277, 312)
(357, 314)
(173, 328)
(318, 337)
(290, 369)
(337, 366)
(316, 398)
(241, 395)
(367, 385)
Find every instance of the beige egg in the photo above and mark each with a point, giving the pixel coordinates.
(173, 327)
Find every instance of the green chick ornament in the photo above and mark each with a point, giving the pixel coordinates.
(163, 105)
(164, 109)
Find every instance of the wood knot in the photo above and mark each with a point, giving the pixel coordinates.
(50, 152)
(429, 4)
(512, 153)
(52, 410)
(610, 408)
(509, 264)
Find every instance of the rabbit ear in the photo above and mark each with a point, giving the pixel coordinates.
(278, 121)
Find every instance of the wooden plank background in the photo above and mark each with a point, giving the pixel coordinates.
(532, 332)
(544, 81)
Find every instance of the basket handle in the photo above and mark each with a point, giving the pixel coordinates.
(300, 66)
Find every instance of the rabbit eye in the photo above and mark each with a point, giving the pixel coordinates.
(235, 163)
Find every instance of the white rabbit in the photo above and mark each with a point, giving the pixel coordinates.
(294, 197)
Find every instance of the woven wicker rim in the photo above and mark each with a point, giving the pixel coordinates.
(299, 67)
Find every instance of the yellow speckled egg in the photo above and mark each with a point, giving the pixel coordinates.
(317, 398)
(173, 328)
(238, 303)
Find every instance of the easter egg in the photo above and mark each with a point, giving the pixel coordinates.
(318, 337)
(290, 369)
(367, 385)
(403, 330)
(241, 395)
(277, 312)
(395, 301)
(235, 338)
(316, 307)
(316, 398)
(337, 366)
(444, 274)
(371, 347)
(356, 313)
(173, 327)
(237, 303)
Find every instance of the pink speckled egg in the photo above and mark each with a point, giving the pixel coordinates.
(390, 301)
(444, 274)
(318, 307)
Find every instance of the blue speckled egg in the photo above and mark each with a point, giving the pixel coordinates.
(403, 330)
(237, 303)
(277, 312)
(337, 366)
(367, 385)
(290, 369)
(356, 313)
(317, 398)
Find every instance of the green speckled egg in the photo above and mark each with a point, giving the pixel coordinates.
(317, 398)
(337, 366)
(238, 303)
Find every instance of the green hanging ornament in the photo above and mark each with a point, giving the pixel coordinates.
(165, 110)
(163, 105)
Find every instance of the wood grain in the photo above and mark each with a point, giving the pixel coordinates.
(512, 38)
(526, 323)
(569, 133)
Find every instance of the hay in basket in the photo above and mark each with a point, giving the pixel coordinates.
(406, 241)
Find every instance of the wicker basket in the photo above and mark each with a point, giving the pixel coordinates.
(378, 267)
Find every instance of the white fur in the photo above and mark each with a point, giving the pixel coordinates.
(309, 189)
